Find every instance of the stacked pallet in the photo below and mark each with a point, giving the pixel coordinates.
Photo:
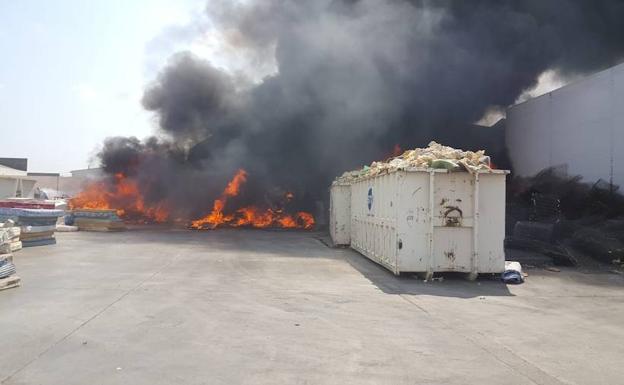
(97, 220)
(9, 242)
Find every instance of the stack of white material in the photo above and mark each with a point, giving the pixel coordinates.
(10, 234)
(433, 156)
(9, 242)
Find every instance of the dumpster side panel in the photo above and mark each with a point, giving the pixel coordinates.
(414, 219)
(340, 214)
(430, 221)
(453, 219)
(491, 258)
(373, 221)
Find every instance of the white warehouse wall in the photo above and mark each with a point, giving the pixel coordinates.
(580, 125)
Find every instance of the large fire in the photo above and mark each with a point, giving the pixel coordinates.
(250, 216)
(122, 195)
(125, 196)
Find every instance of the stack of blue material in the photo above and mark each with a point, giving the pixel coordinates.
(7, 268)
(37, 225)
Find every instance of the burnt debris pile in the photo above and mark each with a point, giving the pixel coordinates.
(554, 217)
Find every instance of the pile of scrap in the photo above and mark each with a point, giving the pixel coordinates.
(37, 225)
(9, 242)
(434, 156)
(569, 222)
(95, 220)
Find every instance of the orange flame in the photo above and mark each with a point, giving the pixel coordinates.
(250, 216)
(122, 195)
(125, 197)
(233, 188)
(396, 150)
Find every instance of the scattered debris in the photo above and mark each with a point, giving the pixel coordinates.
(600, 243)
(559, 254)
(513, 273)
(553, 269)
(559, 216)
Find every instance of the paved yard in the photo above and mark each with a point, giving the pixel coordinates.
(270, 307)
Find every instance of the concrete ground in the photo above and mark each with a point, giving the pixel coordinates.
(270, 307)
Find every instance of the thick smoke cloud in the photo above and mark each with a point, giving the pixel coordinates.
(356, 77)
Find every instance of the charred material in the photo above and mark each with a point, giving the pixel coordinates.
(559, 216)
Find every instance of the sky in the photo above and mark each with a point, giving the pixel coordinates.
(72, 73)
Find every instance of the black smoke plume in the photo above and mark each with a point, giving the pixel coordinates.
(353, 78)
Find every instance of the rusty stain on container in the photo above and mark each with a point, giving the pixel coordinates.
(452, 221)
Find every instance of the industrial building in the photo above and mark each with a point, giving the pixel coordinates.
(14, 180)
(579, 126)
(17, 181)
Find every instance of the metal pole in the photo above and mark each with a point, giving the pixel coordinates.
(474, 272)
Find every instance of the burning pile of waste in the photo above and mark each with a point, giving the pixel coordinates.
(434, 155)
(250, 216)
(118, 195)
(104, 205)
(95, 220)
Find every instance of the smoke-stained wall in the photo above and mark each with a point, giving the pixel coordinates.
(352, 79)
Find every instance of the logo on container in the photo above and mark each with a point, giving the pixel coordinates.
(370, 198)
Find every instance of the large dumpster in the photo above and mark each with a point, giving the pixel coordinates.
(429, 220)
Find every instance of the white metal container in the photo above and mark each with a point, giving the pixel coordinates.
(340, 214)
(430, 220)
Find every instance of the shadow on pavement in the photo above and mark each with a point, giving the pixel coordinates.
(452, 285)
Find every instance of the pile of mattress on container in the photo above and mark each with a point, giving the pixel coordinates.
(37, 221)
(433, 156)
(9, 242)
(95, 220)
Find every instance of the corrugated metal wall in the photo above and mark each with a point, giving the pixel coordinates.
(580, 125)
